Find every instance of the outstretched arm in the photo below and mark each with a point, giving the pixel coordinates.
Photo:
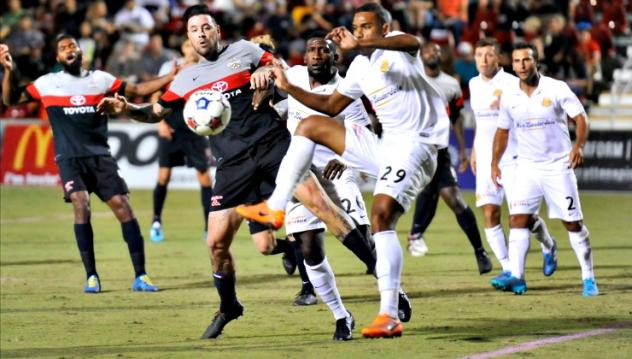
(148, 113)
(401, 42)
(11, 94)
(151, 86)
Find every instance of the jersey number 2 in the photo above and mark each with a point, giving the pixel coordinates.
(570, 203)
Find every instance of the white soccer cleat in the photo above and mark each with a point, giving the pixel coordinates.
(416, 245)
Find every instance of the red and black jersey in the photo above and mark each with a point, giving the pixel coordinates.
(71, 102)
(229, 74)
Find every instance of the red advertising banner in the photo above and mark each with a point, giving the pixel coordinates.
(28, 156)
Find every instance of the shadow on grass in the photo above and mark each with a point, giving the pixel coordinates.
(38, 262)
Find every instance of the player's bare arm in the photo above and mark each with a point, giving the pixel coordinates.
(118, 105)
(576, 156)
(500, 145)
(460, 139)
(10, 94)
(148, 87)
(347, 41)
(328, 104)
(473, 160)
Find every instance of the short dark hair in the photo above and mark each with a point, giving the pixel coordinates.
(196, 10)
(61, 37)
(524, 45)
(488, 41)
(321, 34)
(382, 14)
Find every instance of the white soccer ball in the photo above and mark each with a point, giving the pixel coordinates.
(207, 112)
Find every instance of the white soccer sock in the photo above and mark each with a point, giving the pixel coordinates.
(292, 170)
(324, 282)
(518, 249)
(580, 242)
(541, 233)
(388, 269)
(496, 240)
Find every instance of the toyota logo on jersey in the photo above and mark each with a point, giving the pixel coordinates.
(77, 100)
(220, 86)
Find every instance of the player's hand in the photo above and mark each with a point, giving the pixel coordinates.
(496, 176)
(113, 105)
(576, 157)
(5, 57)
(343, 38)
(164, 130)
(462, 162)
(280, 79)
(334, 170)
(261, 79)
(259, 96)
(473, 162)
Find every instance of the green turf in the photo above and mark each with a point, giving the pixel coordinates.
(456, 313)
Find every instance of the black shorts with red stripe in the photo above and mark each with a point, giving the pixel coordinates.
(96, 174)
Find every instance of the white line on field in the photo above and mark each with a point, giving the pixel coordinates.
(548, 341)
(65, 216)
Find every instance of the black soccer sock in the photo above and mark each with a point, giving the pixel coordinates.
(225, 285)
(282, 246)
(85, 243)
(134, 240)
(300, 264)
(425, 209)
(355, 242)
(206, 193)
(160, 194)
(467, 221)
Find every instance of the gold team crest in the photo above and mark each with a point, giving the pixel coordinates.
(234, 63)
(498, 92)
(384, 66)
(546, 102)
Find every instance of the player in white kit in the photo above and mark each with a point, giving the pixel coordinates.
(537, 109)
(486, 90)
(414, 123)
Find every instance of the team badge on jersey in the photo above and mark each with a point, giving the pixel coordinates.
(234, 63)
(546, 102)
(498, 92)
(384, 66)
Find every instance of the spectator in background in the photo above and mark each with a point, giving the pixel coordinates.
(615, 17)
(97, 16)
(154, 56)
(134, 23)
(69, 17)
(464, 65)
(27, 43)
(159, 9)
(10, 18)
(590, 51)
(453, 14)
(124, 62)
(86, 44)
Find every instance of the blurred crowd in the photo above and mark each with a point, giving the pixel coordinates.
(577, 39)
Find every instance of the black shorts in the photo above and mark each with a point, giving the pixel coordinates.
(98, 174)
(192, 151)
(445, 176)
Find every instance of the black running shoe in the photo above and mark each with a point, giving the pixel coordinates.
(305, 297)
(404, 307)
(344, 327)
(220, 320)
(483, 262)
(289, 263)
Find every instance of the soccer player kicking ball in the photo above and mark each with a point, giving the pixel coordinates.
(81, 149)
(536, 109)
(414, 124)
(486, 91)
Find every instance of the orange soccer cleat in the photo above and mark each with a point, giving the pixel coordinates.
(261, 213)
(383, 327)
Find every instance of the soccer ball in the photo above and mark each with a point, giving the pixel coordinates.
(207, 112)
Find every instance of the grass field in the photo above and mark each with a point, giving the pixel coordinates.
(456, 313)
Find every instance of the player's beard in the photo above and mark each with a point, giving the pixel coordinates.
(75, 67)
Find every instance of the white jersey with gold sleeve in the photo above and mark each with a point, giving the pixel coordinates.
(297, 111)
(485, 99)
(540, 122)
(405, 102)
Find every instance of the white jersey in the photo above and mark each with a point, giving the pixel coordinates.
(405, 102)
(485, 98)
(448, 85)
(540, 122)
(297, 111)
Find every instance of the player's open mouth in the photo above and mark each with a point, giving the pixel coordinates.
(71, 58)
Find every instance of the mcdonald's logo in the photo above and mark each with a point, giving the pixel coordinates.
(42, 143)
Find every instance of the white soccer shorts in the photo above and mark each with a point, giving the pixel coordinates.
(300, 219)
(402, 165)
(486, 190)
(558, 188)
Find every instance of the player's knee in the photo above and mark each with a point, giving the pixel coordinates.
(574, 226)
(492, 215)
(81, 206)
(121, 207)
(381, 219)
(309, 127)
(519, 221)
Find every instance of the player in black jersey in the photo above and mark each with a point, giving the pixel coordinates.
(81, 149)
(248, 154)
(179, 146)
